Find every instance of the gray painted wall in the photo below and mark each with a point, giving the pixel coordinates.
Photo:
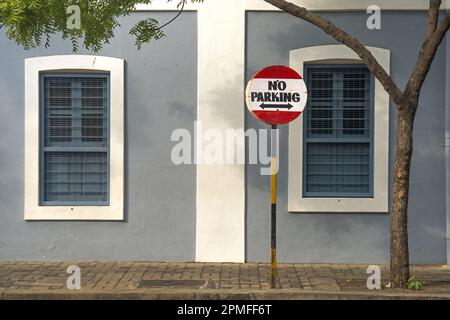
(447, 143)
(160, 197)
(161, 90)
(357, 238)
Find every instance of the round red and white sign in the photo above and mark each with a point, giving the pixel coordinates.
(276, 95)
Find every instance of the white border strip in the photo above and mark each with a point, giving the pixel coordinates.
(33, 66)
(164, 5)
(379, 202)
(221, 188)
(330, 5)
(317, 5)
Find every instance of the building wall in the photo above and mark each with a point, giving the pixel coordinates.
(353, 238)
(160, 216)
(160, 198)
(447, 142)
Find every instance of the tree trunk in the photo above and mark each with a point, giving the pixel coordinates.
(399, 213)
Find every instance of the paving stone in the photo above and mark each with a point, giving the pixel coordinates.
(127, 275)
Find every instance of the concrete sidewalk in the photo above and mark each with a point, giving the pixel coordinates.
(172, 280)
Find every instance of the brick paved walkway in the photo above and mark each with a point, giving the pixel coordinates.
(170, 275)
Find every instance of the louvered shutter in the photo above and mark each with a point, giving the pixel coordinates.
(74, 139)
(338, 132)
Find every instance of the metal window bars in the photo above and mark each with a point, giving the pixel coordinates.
(338, 132)
(74, 137)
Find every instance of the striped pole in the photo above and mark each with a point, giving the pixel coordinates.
(273, 198)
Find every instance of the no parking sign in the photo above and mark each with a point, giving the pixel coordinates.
(276, 95)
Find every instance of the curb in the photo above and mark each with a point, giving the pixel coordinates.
(211, 294)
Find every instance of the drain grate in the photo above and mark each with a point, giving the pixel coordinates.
(191, 284)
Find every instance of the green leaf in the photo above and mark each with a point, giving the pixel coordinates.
(27, 22)
(414, 284)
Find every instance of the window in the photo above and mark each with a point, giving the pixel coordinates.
(339, 147)
(338, 132)
(74, 138)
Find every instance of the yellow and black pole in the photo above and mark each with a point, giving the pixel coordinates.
(286, 87)
(273, 198)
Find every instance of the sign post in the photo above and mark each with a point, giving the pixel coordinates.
(275, 95)
(273, 196)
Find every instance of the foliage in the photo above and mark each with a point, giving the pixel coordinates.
(414, 284)
(30, 22)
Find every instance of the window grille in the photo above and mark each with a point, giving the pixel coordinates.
(338, 132)
(74, 139)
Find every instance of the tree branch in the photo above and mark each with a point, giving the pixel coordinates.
(426, 55)
(433, 17)
(343, 37)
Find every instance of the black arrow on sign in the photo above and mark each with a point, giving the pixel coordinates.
(276, 106)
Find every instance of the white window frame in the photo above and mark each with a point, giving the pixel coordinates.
(74, 63)
(340, 54)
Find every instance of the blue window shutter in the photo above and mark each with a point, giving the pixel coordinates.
(74, 166)
(338, 132)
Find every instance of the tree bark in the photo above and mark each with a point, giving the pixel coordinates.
(399, 267)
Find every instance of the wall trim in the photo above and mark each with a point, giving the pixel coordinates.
(379, 202)
(220, 222)
(260, 5)
(33, 67)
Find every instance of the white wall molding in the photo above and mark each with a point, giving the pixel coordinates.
(164, 5)
(78, 63)
(332, 5)
(221, 188)
(379, 202)
(316, 5)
